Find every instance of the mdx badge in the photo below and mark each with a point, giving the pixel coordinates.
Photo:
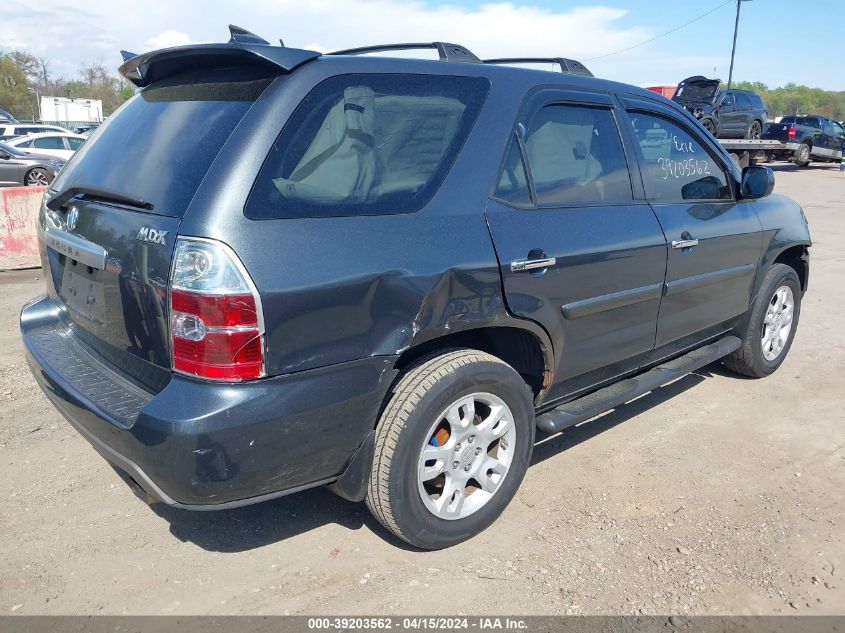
(151, 236)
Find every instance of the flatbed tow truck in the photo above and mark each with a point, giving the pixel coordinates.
(747, 151)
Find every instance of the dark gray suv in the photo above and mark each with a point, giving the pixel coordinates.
(275, 269)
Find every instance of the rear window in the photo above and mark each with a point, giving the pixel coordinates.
(367, 145)
(160, 144)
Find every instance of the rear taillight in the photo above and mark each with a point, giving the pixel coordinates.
(791, 132)
(216, 325)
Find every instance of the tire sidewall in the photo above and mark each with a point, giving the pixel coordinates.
(780, 275)
(419, 525)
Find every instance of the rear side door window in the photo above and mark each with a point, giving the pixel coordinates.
(676, 166)
(367, 144)
(49, 142)
(575, 157)
(74, 143)
(513, 181)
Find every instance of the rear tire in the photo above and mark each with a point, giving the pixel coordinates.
(802, 155)
(424, 481)
(754, 131)
(766, 339)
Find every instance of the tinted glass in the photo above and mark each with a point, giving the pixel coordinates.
(513, 182)
(727, 100)
(25, 144)
(837, 129)
(367, 145)
(159, 145)
(75, 143)
(576, 156)
(49, 142)
(742, 100)
(675, 164)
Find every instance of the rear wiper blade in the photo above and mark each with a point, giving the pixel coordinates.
(94, 193)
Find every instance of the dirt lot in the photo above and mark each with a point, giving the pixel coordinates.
(714, 495)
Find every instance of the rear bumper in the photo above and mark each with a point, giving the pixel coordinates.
(208, 446)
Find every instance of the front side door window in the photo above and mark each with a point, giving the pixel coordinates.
(676, 165)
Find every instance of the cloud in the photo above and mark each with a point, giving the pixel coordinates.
(166, 39)
(495, 29)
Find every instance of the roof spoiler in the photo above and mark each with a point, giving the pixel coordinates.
(242, 47)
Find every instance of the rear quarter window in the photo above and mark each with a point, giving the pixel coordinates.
(366, 144)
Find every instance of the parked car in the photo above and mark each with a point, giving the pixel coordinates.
(10, 131)
(383, 274)
(807, 138)
(61, 145)
(18, 168)
(6, 117)
(725, 113)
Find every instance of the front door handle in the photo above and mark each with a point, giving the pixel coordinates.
(518, 265)
(689, 243)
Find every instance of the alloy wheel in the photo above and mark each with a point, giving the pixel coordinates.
(468, 453)
(777, 324)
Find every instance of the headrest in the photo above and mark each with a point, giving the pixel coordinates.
(359, 108)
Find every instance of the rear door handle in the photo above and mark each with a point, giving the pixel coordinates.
(685, 243)
(518, 265)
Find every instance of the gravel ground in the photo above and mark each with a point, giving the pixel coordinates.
(715, 494)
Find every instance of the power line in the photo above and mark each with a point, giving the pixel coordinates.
(656, 37)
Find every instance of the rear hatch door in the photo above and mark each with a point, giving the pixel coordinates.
(697, 89)
(112, 216)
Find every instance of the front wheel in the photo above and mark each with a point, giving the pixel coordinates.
(771, 325)
(754, 131)
(709, 125)
(452, 446)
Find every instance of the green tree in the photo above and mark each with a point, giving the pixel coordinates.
(15, 95)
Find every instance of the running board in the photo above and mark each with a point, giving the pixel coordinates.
(591, 405)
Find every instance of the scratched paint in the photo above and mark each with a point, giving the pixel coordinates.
(18, 224)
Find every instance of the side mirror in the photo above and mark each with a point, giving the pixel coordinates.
(757, 182)
(4, 155)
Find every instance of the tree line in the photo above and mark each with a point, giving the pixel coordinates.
(795, 99)
(24, 78)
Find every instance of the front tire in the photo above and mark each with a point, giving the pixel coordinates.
(754, 131)
(710, 126)
(771, 325)
(452, 446)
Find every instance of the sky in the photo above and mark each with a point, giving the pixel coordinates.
(70, 33)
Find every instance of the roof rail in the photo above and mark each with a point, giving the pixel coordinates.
(568, 66)
(446, 51)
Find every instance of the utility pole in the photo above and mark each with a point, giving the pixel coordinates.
(733, 50)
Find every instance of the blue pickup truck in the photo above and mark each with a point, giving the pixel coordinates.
(806, 139)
